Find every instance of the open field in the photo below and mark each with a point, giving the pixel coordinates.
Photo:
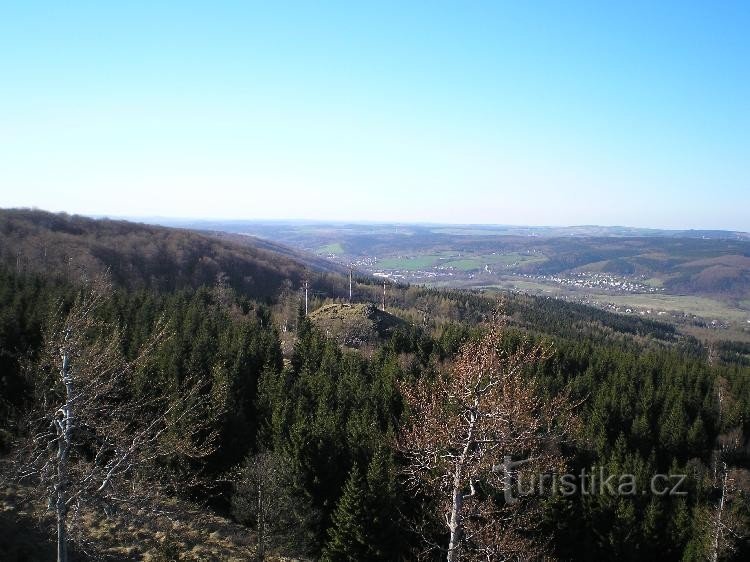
(410, 263)
(468, 261)
(333, 248)
(682, 309)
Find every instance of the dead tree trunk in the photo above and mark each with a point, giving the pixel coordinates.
(718, 524)
(88, 437)
(455, 523)
(261, 551)
(455, 526)
(64, 430)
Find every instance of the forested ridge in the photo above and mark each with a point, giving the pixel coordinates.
(316, 426)
(146, 256)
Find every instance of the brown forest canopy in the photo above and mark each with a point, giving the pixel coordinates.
(145, 256)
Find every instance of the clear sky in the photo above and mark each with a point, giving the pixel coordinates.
(559, 113)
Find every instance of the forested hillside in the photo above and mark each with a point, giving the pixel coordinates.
(143, 256)
(306, 436)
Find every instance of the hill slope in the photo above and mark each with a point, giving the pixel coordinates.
(144, 256)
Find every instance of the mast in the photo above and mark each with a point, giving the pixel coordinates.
(306, 285)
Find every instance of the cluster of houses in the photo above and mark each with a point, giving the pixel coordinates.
(601, 281)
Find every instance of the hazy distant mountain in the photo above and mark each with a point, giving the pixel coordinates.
(275, 226)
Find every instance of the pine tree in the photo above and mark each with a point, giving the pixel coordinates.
(696, 437)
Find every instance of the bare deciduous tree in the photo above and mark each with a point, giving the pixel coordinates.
(723, 526)
(264, 499)
(91, 440)
(474, 433)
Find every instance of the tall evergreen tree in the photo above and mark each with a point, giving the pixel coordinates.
(348, 534)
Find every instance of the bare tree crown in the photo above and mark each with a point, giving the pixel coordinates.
(92, 438)
(464, 426)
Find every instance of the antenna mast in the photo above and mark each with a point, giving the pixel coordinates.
(350, 284)
(383, 296)
(306, 284)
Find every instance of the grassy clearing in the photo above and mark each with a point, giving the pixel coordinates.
(410, 263)
(493, 260)
(466, 264)
(335, 248)
(509, 259)
(527, 286)
(654, 282)
(456, 261)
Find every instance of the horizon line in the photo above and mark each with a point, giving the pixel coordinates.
(188, 219)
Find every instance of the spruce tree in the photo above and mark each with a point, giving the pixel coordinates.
(382, 507)
(348, 534)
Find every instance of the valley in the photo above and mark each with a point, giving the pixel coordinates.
(697, 279)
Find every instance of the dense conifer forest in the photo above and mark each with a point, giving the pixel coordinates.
(309, 430)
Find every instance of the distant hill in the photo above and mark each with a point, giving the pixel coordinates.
(310, 261)
(302, 230)
(146, 256)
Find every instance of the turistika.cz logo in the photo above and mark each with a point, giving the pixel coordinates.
(595, 481)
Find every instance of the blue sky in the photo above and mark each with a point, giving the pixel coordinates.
(536, 113)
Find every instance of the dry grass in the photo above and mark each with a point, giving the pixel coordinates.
(179, 531)
(354, 325)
